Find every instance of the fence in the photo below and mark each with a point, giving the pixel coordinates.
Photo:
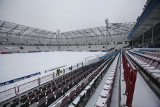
(26, 86)
(19, 79)
(4, 95)
(130, 75)
(7, 94)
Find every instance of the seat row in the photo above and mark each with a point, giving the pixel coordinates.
(60, 84)
(151, 67)
(79, 92)
(90, 87)
(154, 54)
(61, 91)
(106, 93)
(149, 50)
(150, 55)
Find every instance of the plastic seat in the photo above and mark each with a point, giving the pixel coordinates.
(26, 104)
(100, 102)
(155, 75)
(104, 93)
(50, 98)
(157, 70)
(35, 99)
(72, 94)
(6, 104)
(42, 102)
(49, 90)
(109, 82)
(78, 89)
(153, 66)
(145, 62)
(107, 87)
(23, 98)
(57, 93)
(38, 92)
(14, 104)
(76, 101)
(148, 64)
(42, 94)
(64, 101)
(31, 95)
(34, 104)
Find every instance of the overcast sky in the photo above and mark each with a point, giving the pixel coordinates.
(68, 15)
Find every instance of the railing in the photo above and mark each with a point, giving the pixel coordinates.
(130, 75)
(4, 95)
(46, 79)
(26, 86)
(9, 93)
(18, 79)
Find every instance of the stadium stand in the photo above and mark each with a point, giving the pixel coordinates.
(130, 67)
(150, 66)
(106, 93)
(58, 90)
(28, 39)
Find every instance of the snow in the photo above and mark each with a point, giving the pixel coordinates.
(115, 93)
(17, 65)
(96, 99)
(143, 95)
(21, 64)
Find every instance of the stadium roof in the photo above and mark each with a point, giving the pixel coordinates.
(149, 18)
(12, 28)
(114, 29)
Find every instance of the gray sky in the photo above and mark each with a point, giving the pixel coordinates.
(68, 15)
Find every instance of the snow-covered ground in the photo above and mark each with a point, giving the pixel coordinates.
(21, 64)
(13, 66)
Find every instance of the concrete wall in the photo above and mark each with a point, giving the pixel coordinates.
(21, 48)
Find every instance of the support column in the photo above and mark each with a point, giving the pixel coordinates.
(143, 39)
(106, 21)
(58, 42)
(106, 41)
(152, 36)
(138, 40)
